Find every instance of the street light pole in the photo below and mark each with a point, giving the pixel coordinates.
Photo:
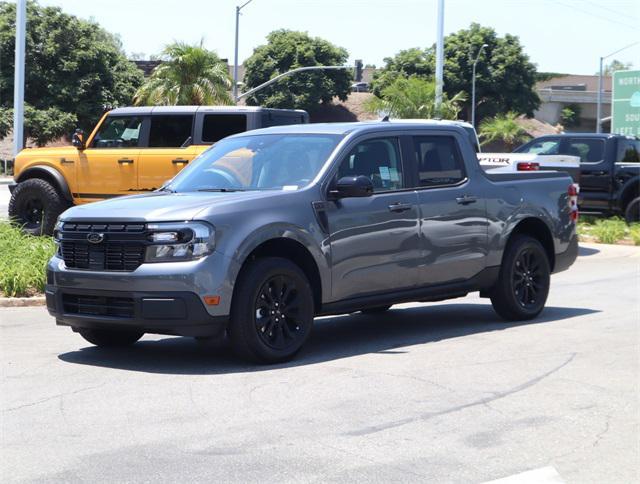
(235, 57)
(473, 87)
(439, 58)
(599, 107)
(18, 83)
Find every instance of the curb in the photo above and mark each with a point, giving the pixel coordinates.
(17, 302)
(5, 180)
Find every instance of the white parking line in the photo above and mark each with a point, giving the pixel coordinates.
(544, 475)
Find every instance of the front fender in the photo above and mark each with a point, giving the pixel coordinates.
(48, 173)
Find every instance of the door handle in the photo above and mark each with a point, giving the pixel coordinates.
(466, 200)
(125, 161)
(399, 207)
(597, 173)
(64, 161)
(178, 161)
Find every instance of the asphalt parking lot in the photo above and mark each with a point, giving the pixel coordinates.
(441, 392)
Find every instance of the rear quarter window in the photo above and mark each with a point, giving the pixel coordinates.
(218, 126)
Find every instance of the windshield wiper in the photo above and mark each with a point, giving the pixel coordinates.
(221, 190)
(166, 189)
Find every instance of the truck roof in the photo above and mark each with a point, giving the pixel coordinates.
(346, 128)
(586, 135)
(146, 110)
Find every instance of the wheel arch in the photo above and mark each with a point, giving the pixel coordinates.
(53, 176)
(537, 229)
(630, 191)
(296, 252)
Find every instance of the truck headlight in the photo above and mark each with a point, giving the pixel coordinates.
(174, 242)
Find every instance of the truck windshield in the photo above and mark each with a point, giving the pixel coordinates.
(260, 162)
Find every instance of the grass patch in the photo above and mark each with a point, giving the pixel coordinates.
(23, 261)
(609, 230)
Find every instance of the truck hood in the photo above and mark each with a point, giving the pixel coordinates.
(49, 151)
(158, 206)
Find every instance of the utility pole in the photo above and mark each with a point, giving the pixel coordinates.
(235, 57)
(473, 87)
(18, 82)
(439, 58)
(599, 107)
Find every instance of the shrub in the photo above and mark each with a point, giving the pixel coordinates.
(23, 261)
(609, 231)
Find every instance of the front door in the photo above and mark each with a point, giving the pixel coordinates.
(108, 166)
(453, 220)
(374, 240)
(168, 150)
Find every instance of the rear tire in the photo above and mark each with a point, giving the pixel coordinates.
(107, 338)
(523, 284)
(632, 212)
(35, 205)
(271, 312)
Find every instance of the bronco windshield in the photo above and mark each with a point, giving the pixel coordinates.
(260, 162)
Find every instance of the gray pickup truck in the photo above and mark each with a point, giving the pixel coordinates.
(269, 228)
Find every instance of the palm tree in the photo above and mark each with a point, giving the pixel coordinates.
(414, 98)
(189, 75)
(505, 128)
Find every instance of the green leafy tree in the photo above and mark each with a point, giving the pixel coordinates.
(570, 115)
(505, 78)
(73, 66)
(503, 128)
(414, 98)
(286, 50)
(188, 75)
(41, 125)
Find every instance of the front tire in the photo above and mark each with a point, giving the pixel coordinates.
(632, 212)
(523, 284)
(107, 338)
(271, 312)
(35, 205)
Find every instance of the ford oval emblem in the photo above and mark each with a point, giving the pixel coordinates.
(95, 238)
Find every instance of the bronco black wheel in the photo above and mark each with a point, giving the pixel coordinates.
(523, 285)
(272, 311)
(35, 205)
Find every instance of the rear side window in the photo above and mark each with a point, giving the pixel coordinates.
(218, 126)
(379, 160)
(439, 160)
(628, 151)
(170, 131)
(589, 150)
(548, 146)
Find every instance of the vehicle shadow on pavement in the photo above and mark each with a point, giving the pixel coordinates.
(586, 251)
(333, 338)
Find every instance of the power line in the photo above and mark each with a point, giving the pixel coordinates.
(617, 12)
(596, 15)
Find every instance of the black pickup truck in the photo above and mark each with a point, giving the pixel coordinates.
(609, 166)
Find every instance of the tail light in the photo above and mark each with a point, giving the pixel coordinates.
(572, 192)
(525, 166)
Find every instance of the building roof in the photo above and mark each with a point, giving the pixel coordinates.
(590, 83)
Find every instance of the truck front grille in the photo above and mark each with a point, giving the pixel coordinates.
(121, 248)
(117, 307)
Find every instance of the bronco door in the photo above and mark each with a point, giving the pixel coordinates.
(108, 166)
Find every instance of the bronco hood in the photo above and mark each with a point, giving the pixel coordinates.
(157, 206)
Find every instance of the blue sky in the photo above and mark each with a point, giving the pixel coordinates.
(558, 35)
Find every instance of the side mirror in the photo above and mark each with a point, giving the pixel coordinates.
(77, 139)
(353, 186)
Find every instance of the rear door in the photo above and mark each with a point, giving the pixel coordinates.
(109, 165)
(595, 171)
(375, 245)
(453, 220)
(166, 150)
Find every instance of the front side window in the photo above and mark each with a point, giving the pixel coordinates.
(170, 130)
(628, 151)
(548, 146)
(589, 150)
(261, 162)
(218, 126)
(439, 161)
(378, 159)
(118, 132)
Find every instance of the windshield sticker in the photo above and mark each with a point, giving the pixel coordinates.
(393, 173)
(290, 187)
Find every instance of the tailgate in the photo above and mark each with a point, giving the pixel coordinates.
(509, 162)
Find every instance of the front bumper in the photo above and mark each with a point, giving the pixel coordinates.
(173, 313)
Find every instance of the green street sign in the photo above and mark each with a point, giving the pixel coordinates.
(625, 103)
